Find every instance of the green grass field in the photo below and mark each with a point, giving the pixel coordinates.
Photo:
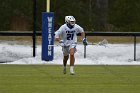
(50, 79)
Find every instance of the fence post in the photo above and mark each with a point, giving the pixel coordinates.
(34, 28)
(134, 48)
(85, 48)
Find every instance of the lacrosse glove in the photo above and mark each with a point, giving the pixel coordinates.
(61, 43)
(85, 41)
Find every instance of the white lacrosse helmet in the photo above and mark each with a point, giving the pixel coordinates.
(70, 20)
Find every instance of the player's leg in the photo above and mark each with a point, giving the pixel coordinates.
(72, 57)
(65, 59)
(72, 60)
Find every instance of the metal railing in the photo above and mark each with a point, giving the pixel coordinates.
(23, 33)
(38, 33)
(132, 34)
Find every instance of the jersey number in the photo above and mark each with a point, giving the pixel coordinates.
(70, 36)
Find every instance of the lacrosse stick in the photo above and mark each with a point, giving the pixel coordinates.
(101, 43)
(53, 45)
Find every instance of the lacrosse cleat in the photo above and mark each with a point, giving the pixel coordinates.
(64, 71)
(72, 71)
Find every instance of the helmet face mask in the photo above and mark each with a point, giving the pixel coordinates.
(72, 23)
(70, 20)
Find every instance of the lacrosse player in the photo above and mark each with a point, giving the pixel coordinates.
(67, 37)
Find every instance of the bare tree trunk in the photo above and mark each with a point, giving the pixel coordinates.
(101, 14)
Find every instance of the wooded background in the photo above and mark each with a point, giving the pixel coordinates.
(92, 15)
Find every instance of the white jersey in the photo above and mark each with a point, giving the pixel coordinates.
(69, 36)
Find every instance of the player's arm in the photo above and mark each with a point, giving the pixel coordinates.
(57, 38)
(84, 39)
(83, 34)
(81, 30)
(58, 33)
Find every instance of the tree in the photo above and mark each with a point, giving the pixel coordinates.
(101, 7)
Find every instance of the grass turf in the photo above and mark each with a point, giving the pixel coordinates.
(50, 79)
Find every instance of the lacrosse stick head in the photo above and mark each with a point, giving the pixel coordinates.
(103, 43)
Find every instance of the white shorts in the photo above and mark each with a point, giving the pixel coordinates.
(66, 49)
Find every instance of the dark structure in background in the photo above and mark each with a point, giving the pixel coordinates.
(101, 11)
